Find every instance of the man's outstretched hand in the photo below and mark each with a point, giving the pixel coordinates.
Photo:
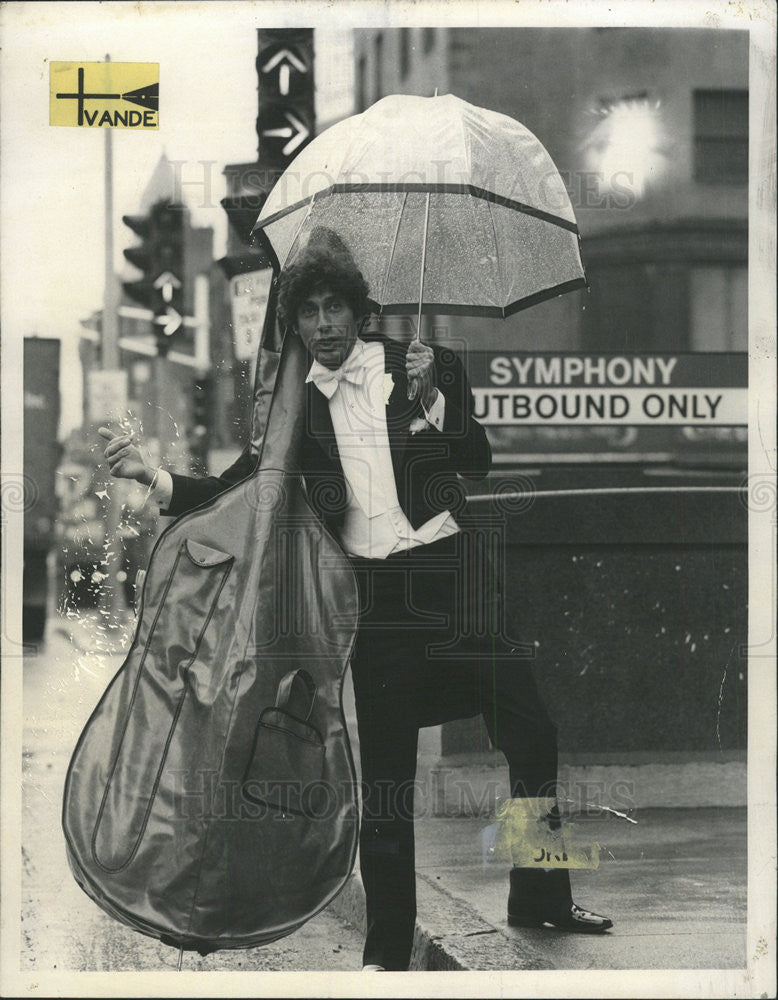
(124, 458)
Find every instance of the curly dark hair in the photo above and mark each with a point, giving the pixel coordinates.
(325, 261)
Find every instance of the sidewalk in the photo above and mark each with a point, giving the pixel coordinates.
(674, 885)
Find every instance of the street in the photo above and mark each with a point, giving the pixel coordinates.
(62, 929)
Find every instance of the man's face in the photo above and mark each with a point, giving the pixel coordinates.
(327, 326)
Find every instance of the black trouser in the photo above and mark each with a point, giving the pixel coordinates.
(402, 682)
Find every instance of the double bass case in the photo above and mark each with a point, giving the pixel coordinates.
(211, 799)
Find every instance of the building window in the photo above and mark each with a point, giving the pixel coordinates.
(719, 308)
(721, 136)
(405, 52)
(428, 39)
(362, 83)
(378, 67)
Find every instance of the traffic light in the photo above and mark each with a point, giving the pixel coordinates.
(242, 212)
(141, 256)
(202, 418)
(160, 258)
(286, 121)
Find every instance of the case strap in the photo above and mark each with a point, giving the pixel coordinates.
(296, 694)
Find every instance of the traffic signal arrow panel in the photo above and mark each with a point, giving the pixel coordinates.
(160, 256)
(170, 321)
(167, 284)
(286, 119)
(283, 69)
(284, 128)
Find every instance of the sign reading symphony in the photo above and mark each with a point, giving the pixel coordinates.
(591, 389)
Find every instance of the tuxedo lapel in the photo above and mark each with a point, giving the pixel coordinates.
(320, 425)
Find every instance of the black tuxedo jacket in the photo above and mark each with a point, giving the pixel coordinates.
(426, 464)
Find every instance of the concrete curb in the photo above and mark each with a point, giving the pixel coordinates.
(467, 786)
(450, 936)
(349, 904)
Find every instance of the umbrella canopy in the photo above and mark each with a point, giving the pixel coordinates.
(470, 192)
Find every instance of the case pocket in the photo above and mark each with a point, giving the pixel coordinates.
(185, 610)
(205, 555)
(286, 763)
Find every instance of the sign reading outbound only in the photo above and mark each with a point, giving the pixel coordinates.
(590, 389)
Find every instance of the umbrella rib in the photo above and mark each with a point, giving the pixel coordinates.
(465, 146)
(391, 253)
(299, 228)
(497, 256)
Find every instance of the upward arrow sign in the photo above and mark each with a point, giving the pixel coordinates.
(285, 60)
(168, 282)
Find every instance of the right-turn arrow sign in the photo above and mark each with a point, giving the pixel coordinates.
(285, 125)
(170, 321)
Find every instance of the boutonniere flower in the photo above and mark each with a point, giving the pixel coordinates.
(388, 386)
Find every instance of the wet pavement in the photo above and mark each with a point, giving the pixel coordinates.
(673, 882)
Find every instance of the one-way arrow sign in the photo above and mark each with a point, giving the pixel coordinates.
(296, 132)
(168, 282)
(170, 321)
(285, 60)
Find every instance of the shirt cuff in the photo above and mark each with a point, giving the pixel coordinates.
(437, 412)
(162, 492)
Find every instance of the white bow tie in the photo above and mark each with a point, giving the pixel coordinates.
(327, 381)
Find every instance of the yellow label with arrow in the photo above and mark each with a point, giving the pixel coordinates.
(104, 94)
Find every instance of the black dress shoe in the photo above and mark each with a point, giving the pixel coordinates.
(573, 919)
(539, 897)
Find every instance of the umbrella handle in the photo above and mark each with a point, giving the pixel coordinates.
(423, 257)
(423, 264)
(413, 389)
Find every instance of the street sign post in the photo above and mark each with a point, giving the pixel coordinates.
(249, 294)
(107, 394)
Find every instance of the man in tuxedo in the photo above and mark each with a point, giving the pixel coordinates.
(389, 431)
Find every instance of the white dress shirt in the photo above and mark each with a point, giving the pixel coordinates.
(374, 524)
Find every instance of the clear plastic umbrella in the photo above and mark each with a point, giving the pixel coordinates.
(446, 207)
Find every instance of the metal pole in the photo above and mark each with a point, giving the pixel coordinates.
(112, 600)
(158, 396)
(110, 317)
